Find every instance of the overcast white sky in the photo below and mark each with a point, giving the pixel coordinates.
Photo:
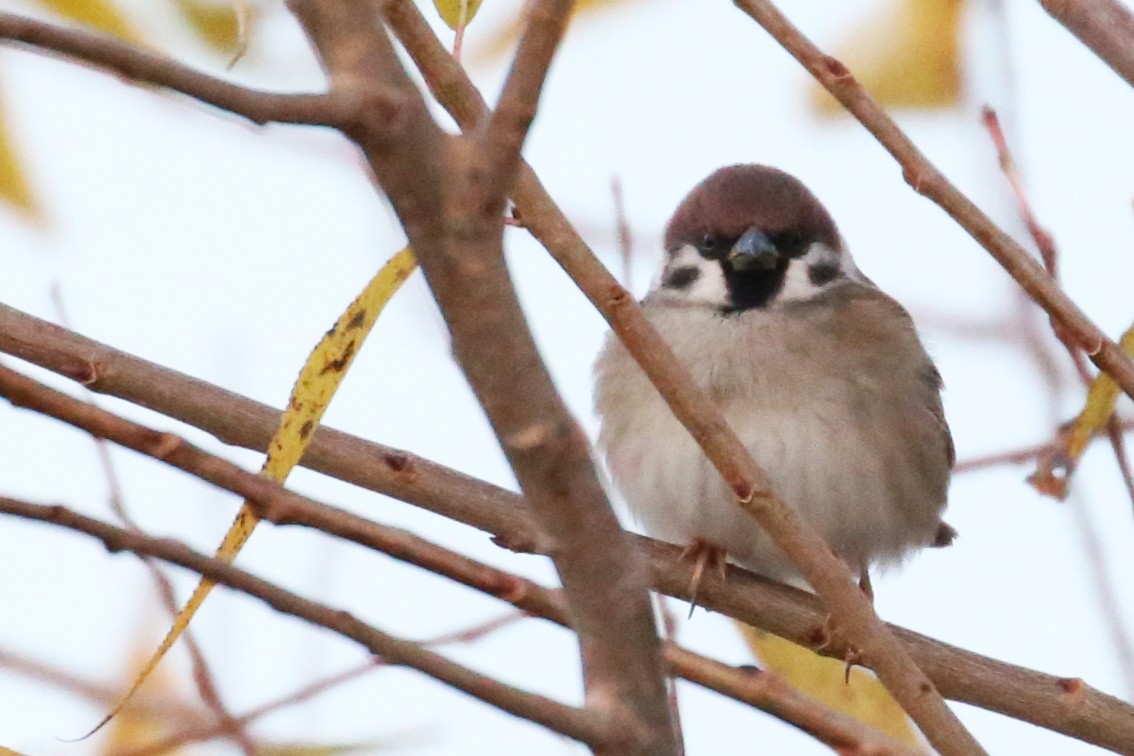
(225, 251)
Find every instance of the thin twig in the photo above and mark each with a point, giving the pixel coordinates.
(625, 237)
(203, 676)
(204, 733)
(1043, 239)
(1063, 705)
(140, 65)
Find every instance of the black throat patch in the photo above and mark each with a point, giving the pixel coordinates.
(750, 290)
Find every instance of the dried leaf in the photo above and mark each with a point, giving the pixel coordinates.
(457, 13)
(9, 752)
(825, 680)
(100, 14)
(906, 55)
(1055, 468)
(313, 391)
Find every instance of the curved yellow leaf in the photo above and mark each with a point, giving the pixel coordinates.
(825, 680)
(907, 55)
(457, 13)
(1055, 469)
(101, 14)
(313, 390)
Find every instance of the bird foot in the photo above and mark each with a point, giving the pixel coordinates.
(825, 634)
(704, 555)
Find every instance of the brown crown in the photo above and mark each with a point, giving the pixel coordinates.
(739, 197)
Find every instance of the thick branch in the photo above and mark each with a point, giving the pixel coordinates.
(1105, 26)
(924, 177)
(280, 506)
(575, 723)
(449, 196)
(139, 65)
(824, 571)
(1060, 704)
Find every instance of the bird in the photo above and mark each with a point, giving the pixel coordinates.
(822, 376)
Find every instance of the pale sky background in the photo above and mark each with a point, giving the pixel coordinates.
(225, 251)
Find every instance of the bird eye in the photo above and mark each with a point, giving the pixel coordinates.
(791, 243)
(709, 246)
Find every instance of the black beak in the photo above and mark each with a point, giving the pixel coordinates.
(753, 251)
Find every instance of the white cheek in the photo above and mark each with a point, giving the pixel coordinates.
(709, 288)
(797, 280)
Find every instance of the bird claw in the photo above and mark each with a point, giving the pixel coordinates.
(704, 555)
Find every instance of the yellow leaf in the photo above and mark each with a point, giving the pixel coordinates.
(218, 24)
(824, 679)
(14, 186)
(100, 14)
(313, 390)
(9, 752)
(1055, 468)
(906, 55)
(457, 13)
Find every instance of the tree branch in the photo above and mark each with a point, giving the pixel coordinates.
(824, 571)
(449, 198)
(280, 506)
(1060, 704)
(508, 124)
(143, 66)
(575, 723)
(1105, 26)
(925, 179)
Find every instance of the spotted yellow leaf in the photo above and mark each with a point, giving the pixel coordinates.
(100, 14)
(313, 390)
(457, 13)
(1055, 468)
(906, 54)
(825, 680)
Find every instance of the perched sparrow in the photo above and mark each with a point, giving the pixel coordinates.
(820, 374)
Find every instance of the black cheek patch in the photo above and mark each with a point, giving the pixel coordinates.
(822, 273)
(681, 278)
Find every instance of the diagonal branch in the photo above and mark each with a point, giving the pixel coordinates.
(449, 197)
(280, 506)
(925, 179)
(824, 571)
(140, 65)
(1105, 26)
(1063, 705)
(575, 723)
(508, 124)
